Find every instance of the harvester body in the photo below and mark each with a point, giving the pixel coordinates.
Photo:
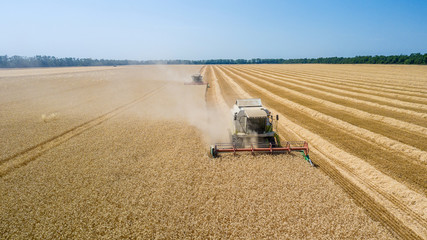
(253, 131)
(252, 123)
(197, 80)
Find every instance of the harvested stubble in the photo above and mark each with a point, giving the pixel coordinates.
(399, 207)
(123, 179)
(386, 158)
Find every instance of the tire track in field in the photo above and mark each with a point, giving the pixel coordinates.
(64, 110)
(410, 151)
(32, 153)
(370, 81)
(355, 92)
(416, 129)
(376, 210)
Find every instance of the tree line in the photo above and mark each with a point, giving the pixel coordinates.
(50, 61)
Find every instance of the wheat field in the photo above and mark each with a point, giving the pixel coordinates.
(122, 152)
(365, 123)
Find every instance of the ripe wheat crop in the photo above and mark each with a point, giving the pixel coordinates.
(123, 153)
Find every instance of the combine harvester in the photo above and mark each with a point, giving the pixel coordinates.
(252, 131)
(197, 80)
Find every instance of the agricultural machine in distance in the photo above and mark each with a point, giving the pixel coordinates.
(197, 80)
(252, 131)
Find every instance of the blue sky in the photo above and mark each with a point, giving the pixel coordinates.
(143, 30)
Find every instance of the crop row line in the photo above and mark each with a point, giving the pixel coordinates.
(374, 137)
(385, 84)
(384, 158)
(413, 102)
(351, 104)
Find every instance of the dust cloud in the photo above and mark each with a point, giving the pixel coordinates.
(179, 102)
(48, 102)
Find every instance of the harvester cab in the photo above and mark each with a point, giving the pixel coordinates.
(253, 131)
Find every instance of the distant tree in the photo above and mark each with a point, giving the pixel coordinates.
(4, 61)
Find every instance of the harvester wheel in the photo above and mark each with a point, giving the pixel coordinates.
(213, 152)
(272, 141)
(276, 136)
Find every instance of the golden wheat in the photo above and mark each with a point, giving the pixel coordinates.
(126, 157)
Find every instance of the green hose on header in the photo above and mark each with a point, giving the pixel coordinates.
(277, 139)
(307, 158)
